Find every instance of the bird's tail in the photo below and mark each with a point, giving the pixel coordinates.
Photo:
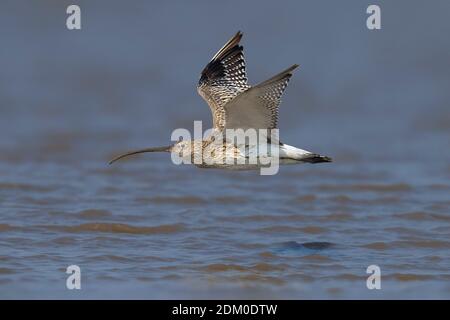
(316, 158)
(290, 152)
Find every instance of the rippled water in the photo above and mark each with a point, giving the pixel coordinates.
(145, 228)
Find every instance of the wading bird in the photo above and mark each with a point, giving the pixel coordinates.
(236, 105)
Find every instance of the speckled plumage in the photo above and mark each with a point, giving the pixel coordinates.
(235, 105)
(223, 78)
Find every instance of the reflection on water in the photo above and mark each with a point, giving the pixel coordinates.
(146, 228)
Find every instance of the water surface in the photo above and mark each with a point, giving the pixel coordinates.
(377, 102)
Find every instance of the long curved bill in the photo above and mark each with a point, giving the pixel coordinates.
(156, 149)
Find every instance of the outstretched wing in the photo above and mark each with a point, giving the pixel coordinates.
(257, 107)
(223, 78)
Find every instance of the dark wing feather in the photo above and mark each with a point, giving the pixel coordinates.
(223, 78)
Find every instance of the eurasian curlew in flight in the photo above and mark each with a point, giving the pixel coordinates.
(235, 105)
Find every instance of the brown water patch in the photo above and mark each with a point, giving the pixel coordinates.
(6, 271)
(251, 246)
(409, 277)
(398, 187)
(434, 258)
(268, 255)
(305, 198)
(428, 244)
(343, 199)
(94, 213)
(294, 217)
(442, 207)
(43, 201)
(422, 216)
(337, 217)
(376, 246)
(231, 200)
(172, 200)
(24, 187)
(439, 187)
(120, 228)
(6, 227)
(266, 267)
(334, 290)
(220, 267)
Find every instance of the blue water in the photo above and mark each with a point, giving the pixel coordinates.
(375, 101)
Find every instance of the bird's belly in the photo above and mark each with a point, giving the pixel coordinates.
(242, 165)
(231, 167)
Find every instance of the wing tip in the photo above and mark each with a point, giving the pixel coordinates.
(237, 37)
(317, 158)
(230, 44)
(290, 69)
(287, 73)
(215, 68)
